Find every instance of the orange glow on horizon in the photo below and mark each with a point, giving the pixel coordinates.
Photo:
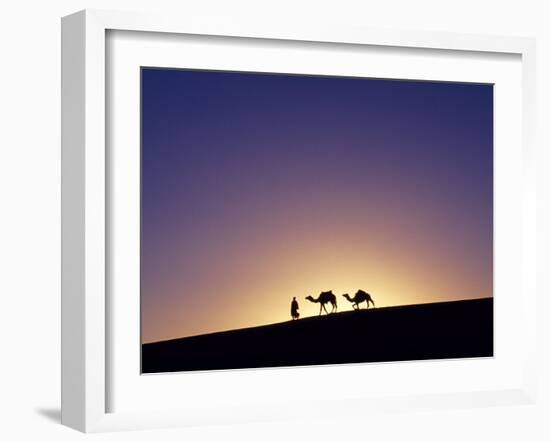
(252, 289)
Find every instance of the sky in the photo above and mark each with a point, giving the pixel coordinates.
(260, 187)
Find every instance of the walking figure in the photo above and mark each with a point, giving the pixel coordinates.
(294, 309)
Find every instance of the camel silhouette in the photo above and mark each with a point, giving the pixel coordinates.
(359, 297)
(325, 298)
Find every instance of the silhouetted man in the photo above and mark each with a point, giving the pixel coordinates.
(294, 309)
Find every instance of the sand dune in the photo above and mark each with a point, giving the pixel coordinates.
(428, 331)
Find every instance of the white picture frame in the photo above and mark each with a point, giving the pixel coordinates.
(86, 317)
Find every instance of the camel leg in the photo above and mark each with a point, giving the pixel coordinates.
(324, 308)
(320, 309)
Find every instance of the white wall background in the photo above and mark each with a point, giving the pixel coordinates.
(30, 217)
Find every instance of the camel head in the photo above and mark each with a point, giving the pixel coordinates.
(345, 295)
(310, 298)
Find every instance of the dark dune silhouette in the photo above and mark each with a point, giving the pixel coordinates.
(457, 329)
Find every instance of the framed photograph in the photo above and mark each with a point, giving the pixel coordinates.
(268, 222)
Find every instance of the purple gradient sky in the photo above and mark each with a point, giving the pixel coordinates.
(259, 187)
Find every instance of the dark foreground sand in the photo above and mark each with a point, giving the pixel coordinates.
(427, 331)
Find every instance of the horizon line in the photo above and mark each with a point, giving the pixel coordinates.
(315, 316)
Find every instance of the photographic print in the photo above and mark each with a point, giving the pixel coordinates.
(296, 220)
